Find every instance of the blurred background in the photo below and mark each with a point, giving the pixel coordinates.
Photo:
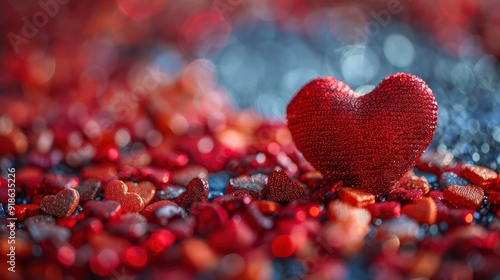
(82, 72)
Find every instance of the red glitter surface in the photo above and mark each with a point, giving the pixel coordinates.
(368, 142)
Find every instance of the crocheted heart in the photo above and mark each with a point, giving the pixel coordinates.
(370, 141)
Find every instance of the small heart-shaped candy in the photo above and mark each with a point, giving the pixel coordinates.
(356, 197)
(89, 190)
(255, 184)
(367, 142)
(423, 211)
(61, 205)
(117, 190)
(196, 191)
(103, 209)
(470, 196)
(145, 189)
(281, 189)
(480, 176)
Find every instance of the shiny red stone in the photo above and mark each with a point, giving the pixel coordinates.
(24, 211)
(356, 197)
(184, 175)
(281, 189)
(405, 196)
(209, 216)
(29, 179)
(167, 213)
(367, 142)
(235, 236)
(158, 176)
(103, 173)
(103, 209)
(149, 211)
(131, 225)
(385, 210)
(159, 241)
(89, 190)
(493, 196)
(196, 191)
(328, 192)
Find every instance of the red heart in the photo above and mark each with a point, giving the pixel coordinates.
(368, 142)
(61, 205)
(117, 190)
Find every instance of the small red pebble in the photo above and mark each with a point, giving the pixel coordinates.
(267, 207)
(209, 216)
(196, 191)
(470, 196)
(145, 189)
(103, 173)
(61, 205)
(158, 176)
(281, 189)
(356, 197)
(117, 190)
(412, 182)
(480, 176)
(89, 190)
(24, 211)
(385, 210)
(103, 209)
(423, 211)
(405, 196)
(493, 196)
(312, 179)
(151, 209)
(235, 236)
(184, 175)
(328, 192)
(167, 213)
